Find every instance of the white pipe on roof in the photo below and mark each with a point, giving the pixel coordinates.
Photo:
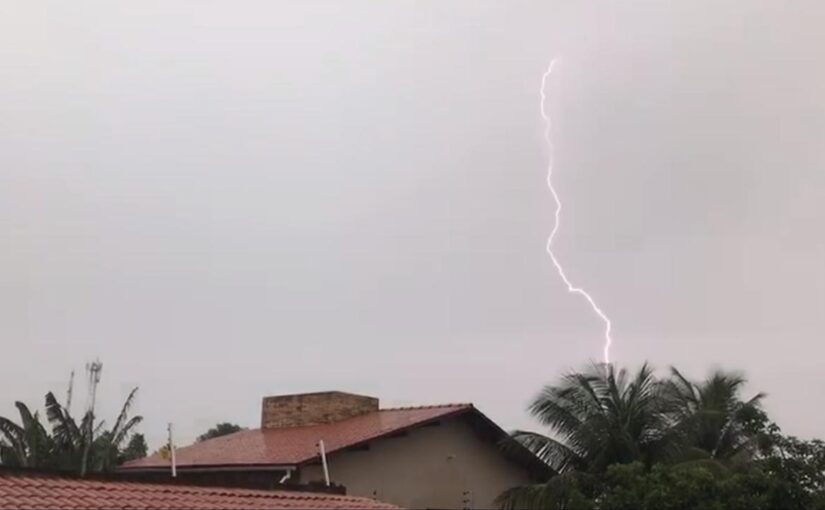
(286, 476)
(324, 461)
(172, 452)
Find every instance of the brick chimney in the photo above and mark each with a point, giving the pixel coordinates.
(313, 408)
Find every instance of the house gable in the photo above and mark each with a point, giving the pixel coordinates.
(442, 464)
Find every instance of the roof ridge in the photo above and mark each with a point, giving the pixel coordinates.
(431, 406)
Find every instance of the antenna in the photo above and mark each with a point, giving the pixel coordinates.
(93, 370)
(69, 393)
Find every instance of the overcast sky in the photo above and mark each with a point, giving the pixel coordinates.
(225, 200)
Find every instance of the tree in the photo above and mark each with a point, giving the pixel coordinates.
(712, 418)
(621, 443)
(633, 486)
(221, 429)
(567, 491)
(668, 487)
(26, 445)
(164, 452)
(135, 449)
(87, 447)
(797, 462)
(599, 418)
(82, 448)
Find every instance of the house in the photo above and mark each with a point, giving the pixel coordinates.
(443, 456)
(30, 490)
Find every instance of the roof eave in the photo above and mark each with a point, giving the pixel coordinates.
(217, 468)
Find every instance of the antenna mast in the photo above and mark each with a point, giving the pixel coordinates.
(69, 393)
(93, 369)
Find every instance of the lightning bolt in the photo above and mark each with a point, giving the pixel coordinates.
(608, 340)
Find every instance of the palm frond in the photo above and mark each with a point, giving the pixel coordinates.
(9, 456)
(12, 431)
(14, 439)
(26, 416)
(559, 408)
(559, 456)
(124, 412)
(125, 430)
(37, 439)
(64, 428)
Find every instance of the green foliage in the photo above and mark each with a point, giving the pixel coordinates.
(80, 448)
(711, 417)
(599, 417)
(664, 487)
(26, 445)
(799, 464)
(135, 449)
(631, 486)
(566, 491)
(621, 442)
(164, 452)
(221, 429)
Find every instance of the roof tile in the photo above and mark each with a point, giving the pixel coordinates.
(50, 492)
(295, 445)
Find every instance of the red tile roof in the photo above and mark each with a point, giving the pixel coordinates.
(295, 445)
(50, 492)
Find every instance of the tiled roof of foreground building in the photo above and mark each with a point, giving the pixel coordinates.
(24, 490)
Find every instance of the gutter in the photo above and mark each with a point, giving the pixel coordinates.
(208, 469)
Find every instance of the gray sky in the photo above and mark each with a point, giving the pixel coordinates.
(224, 200)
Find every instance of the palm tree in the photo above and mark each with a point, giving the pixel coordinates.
(89, 447)
(711, 418)
(598, 417)
(86, 447)
(26, 445)
(112, 442)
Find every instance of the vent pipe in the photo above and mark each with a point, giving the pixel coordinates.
(324, 461)
(172, 453)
